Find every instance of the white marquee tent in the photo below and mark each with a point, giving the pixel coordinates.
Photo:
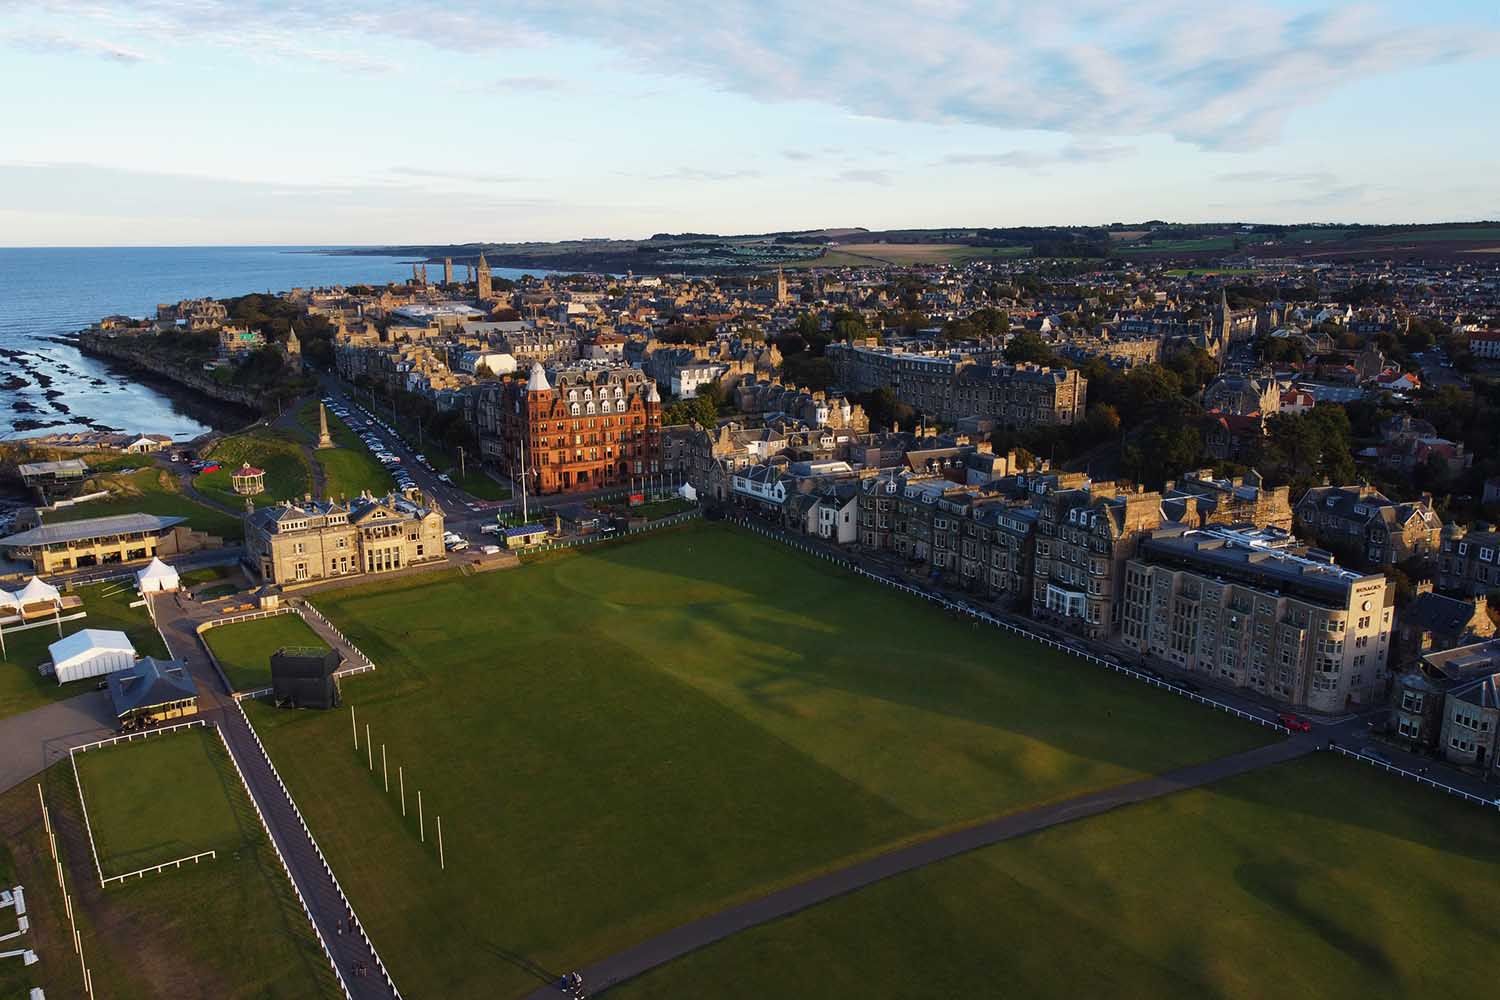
(38, 591)
(687, 492)
(8, 602)
(90, 652)
(156, 576)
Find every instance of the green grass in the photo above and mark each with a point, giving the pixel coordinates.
(287, 474)
(1318, 878)
(350, 468)
(623, 738)
(244, 649)
(154, 491)
(1183, 245)
(479, 485)
(206, 574)
(1478, 233)
(159, 799)
(230, 927)
(22, 688)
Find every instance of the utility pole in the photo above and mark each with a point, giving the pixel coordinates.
(525, 519)
(461, 473)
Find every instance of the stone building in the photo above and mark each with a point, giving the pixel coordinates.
(967, 537)
(1365, 528)
(1250, 609)
(1199, 499)
(1468, 561)
(581, 427)
(322, 539)
(1083, 538)
(949, 386)
(1451, 704)
(1243, 395)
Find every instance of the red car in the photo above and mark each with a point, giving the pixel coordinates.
(1295, 723)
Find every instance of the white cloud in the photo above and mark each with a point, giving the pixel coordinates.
(1032, 159)
(865, 176)
(1220, 76)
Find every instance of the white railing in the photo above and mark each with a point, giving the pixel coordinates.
(156, 869)
(1025, 633)
(578, 540)
(1390, 768)
(88, 826)
(142, 734)
(355, 923)
(306, 910)
(299, 607)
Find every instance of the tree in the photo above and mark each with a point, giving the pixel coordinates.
(1028, 347)
(699, 410)
(884, 408)
(1103, 421)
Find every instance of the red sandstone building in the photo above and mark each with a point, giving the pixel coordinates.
(587, 427)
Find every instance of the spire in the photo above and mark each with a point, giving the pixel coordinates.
(652, 396)
(538, 380)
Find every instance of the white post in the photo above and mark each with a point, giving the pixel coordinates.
(355, 726)
(385, 774)
(421, 825)
(369, 750)
(401, 777)
(442, 865)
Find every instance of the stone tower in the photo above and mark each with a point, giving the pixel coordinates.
(447, 270)
(781, 293)
(482, 284)
(324, 441)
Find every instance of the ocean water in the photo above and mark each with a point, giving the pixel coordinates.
(46, 293)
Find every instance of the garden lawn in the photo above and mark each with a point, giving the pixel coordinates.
(622, 738)
(22, 688)
(1316, 878)
(244, 649)
(287, 474)
(478, 485)
(159, 799)
(230, 927)
(154, 491)
(350, 468)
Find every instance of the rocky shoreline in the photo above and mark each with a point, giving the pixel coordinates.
(208, 401)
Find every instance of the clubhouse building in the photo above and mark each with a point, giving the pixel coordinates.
(293, 543)
(102, 541)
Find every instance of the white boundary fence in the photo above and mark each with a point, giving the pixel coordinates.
(286, 869)
(1390, 768)
(599, 536)
(356, 924)
(62, 885)
(299, 608)
(105, 880)
(990, 619)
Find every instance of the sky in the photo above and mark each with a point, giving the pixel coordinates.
(195, 122)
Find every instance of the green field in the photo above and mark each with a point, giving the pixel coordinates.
(154, 491)
(230, 927)
(1478, 233)
(159, 799)
(22, 688)
(349, 469)
(244, 649)
(207, 574)
(287, 474)
(1317, 878)
(1187, 245)
(477, 484)
(624, 738)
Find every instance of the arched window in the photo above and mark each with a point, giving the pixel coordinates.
(588, 394)
(573, 397)
(574, 408)
(604, 407)
(590, 409)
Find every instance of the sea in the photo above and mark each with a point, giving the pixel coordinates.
(48, 386)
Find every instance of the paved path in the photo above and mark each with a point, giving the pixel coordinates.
(35, 740)
(705, 931)
(178, 623)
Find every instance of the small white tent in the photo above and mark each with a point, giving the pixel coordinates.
(38, 591)
(90, 652)
(156, 576)
(687, 492)
(8, 602)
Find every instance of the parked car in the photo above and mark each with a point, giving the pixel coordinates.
(445, 478)
(1374, 754)
(457, 546)
(489, 529)
(211, 467)
(1295, 723)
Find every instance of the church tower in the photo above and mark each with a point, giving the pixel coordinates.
(447, 270)
(482, 287)
(781, 292)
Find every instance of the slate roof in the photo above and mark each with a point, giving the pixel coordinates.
(94, 527)
(150, 682)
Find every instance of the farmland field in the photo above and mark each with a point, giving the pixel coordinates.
(1320, 877)
(624, 738)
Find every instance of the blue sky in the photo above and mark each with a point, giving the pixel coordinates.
(382, 121)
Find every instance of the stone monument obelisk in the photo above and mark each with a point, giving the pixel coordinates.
(324, 441)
